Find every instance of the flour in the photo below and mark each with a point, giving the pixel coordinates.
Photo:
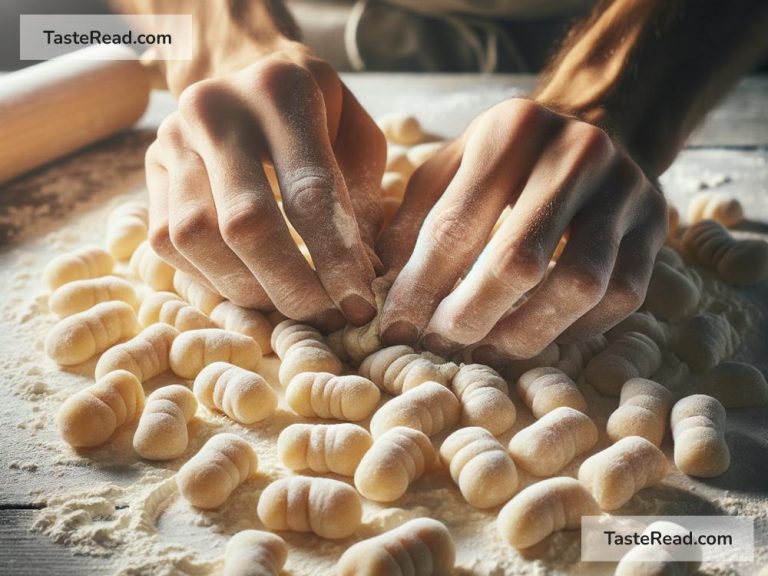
(108, 503)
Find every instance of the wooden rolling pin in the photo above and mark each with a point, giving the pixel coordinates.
(56, 107)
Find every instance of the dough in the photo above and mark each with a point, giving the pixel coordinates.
(301, 349)
(698, 429)
(320, 394)
(208, 478)
(162, 431)
(630, 355)
(704, 340)
(396, 459)
(241, 394)
(252, 323)
(397, 369)
(81, 336)
(480, 466)
(430, 408)
(733, 384)
(127, 228)
(643, 410)
(151, 269)
(254, 553)
(80, 295)
(169, 308)
(90, 261)
(196, 294)
(420, 547)
(324, 448)
(484, 398)
(545, 389)
(194, 350)
(620, 471)
(543, 508)
(722, 208)
(329, 508)
(549, 444)
(145, 356)
(89, 418)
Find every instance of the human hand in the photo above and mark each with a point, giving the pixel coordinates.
(214, 215)
(561, 176)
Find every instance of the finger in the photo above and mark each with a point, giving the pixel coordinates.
(194, 230)
(314, 192)
(629, 280)
(566, 176)
(249, 219)
(395, 245)
(363, 168)
(159, 235)
(493, 170)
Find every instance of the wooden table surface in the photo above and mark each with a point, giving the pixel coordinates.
(730, 150)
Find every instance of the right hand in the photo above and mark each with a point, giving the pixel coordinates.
(213, 213)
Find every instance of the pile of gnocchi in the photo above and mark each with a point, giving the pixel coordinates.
(410, 398)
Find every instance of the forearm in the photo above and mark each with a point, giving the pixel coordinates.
(227, 35)
(649, 70)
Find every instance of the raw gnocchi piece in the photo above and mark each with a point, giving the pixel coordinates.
(420, 153)
(402, 129)
(151, 269)
(252, 323)
(397, 458)
(242, 395)
(397, 369)
(127, 227)
(254, 553)
(733, 384)
(430, 408)
(80, 295)
(643, 410)
(620, 471)
(740, 262)
(549, 444)
(223, 463)
(336, 448)
(670, 256)
(484, 398)
(480, 466)
(698, 430)
(393, 185)
(329, 508)
(704, 340)
(630, 355)
(673, 293)
(547, 357)
(542, 508)
(145, 356)
(574, 356)
(89, 417)
(643, 322)
(420, 547)
(81, 336)
(722, 208)
(194, 350)
(196, 294)
(162, 430)
(324, 395)
(301, 349)
(168, 308)
(545, 389)
(90, 261)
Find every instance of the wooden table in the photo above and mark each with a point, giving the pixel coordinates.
(729, 151)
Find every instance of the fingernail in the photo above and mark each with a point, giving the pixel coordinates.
(439, 345)
(357, 310)
(489, 355)
(400, 333)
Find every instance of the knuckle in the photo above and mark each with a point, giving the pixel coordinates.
(200, 101)
(593, 140)
(191, 226)
(449, 229)
(584, 282)
(241, 222)
(159, 238)
(169, 131)
(522, 266)
(309, 194)
(277, 76)
(627, 293)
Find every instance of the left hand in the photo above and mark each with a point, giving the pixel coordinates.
(561, 176)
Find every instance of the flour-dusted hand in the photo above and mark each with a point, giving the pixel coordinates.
(561, 176)
(213, 211)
